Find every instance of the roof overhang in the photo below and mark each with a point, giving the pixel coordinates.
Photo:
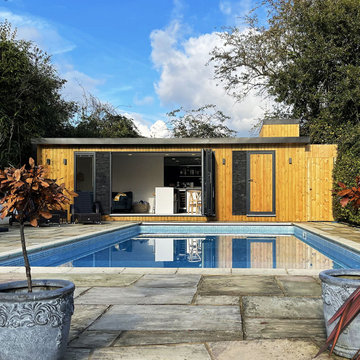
(171, 141)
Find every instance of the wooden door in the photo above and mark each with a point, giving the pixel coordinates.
(261, 183)
(319, 202)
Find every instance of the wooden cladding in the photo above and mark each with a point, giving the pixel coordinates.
(261, 182)
(303, 185)
(280, 130)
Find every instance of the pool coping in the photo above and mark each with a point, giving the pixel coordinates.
(37, 270)
(68, 240)
(346, 243)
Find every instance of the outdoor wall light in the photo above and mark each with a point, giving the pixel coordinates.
(65, 161)
(48, 161)
(223, 161)
(290, 160)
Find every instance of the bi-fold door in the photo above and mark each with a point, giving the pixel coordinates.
(94, 170)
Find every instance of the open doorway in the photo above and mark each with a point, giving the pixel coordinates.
(157, 183)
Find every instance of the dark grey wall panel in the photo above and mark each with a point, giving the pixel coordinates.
(103, 180)
(239, 182)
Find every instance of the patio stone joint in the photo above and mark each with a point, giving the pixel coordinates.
(280, 285)
(208, 349)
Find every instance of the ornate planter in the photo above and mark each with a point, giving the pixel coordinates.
(35, 325)
(336, 288)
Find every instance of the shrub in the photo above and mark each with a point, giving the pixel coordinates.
(346, 169)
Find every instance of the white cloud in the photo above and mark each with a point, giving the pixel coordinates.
(46, 37)
(225, 7)
(146, 100)
(186, 81)
(235, 11)
(42, 33)
(78, 83)
(158, 129)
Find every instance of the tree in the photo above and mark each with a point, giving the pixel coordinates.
(306, 57)
(97, 119)
(204, 122)
(32, 195)
(30, 99)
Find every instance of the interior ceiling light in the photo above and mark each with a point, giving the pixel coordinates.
(173, 159)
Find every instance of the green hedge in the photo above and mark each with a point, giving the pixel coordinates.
(347, 167)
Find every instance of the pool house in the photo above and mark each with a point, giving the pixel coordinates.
(276, 177)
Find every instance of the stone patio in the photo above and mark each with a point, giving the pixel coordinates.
(212, 314)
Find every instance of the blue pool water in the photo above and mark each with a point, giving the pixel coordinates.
(198, 246)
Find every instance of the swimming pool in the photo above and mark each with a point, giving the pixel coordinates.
(198, 246)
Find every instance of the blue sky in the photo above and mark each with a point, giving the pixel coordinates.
(146, 57)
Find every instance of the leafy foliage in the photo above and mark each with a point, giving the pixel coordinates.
(29, 193)
(305, 58)
(346, 314)
(204, 122)
(346, 168)
(30, 100)
(97, 119)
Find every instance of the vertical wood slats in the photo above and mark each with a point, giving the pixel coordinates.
(280, 130)
(294, 199)
(261, 186)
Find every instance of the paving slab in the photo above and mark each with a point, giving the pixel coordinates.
(170, 317)
(143, 271)
(137, 296)
(83, 317)
(94, 279)
(283, 307)
(95, 270)
(169, 281)
(217, 300)
(254, 271)
(9, 277)
(239, 285)
(300, 285)
(80, 290)
(128, 338)
(266, 328)
(265, 349)
(205, 271)
(77, 354)
(94, 339)
(173, 352)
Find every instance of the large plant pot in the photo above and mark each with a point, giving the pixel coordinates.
(337, 286)
(35, 325)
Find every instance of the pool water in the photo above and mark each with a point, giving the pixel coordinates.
(194, 246)
(224, 251)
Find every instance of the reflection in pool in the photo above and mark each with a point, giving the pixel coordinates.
(223, 251)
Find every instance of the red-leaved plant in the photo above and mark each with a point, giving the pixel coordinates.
(350, 194)
(31, 195)
(351, 307)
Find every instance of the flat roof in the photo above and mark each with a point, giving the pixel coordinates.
(171, 141)
(280, 121)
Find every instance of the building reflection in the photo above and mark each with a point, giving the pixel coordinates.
(224, 251)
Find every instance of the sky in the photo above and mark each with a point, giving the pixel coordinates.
(145, 57)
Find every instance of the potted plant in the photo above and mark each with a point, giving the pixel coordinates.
(341, 295)
(34, 315)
